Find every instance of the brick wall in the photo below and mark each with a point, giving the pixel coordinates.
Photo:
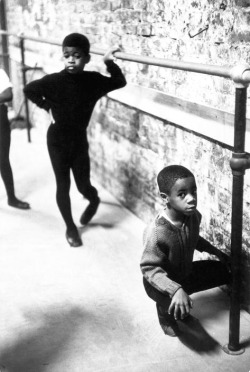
(129, 148)
(131, 144)
(157, 28)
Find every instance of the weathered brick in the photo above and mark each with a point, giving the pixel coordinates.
(130, 29)
(133, 145)
(127, 4)
(243, 3)
(144, 29)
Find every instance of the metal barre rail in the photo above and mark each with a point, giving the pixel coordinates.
(239, 74)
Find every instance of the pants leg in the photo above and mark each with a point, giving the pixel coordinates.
(205, 275)
(59, 157)
(157, 296)
(81, 172)
(5, 167)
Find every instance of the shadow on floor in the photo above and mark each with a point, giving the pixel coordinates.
(36, 346)
(209, 308)
(196, 338)
(91, 225)
(106, 218)
(48, 337)
(245, 344)
(111, 203)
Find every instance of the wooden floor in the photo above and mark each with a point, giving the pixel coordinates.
(85, 309)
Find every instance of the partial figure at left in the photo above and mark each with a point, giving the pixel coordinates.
(5, 137)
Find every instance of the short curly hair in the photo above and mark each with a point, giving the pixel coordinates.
(78, 41)
(169, 175)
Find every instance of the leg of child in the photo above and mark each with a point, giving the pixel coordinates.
(5, 167)
(61, 166)
(6, 171)
(167, 321)
(81, 172)
(205, 275)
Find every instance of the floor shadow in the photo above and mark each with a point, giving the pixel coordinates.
(46, 335)
(112, 203)
(92, 225)
(196, 338)
(245, 343)
(37, 346)
(106, 217)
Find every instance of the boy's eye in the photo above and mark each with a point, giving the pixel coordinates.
(182, 195)
(74, 55)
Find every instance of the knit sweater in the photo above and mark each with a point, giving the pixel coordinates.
(168, 252)
(72, 97)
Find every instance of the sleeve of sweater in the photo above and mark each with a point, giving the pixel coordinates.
(204, 246)
(35, 92)
(116, 79)
(152, 261)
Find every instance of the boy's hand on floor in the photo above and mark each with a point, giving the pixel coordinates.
(181, 304)
(109, 56)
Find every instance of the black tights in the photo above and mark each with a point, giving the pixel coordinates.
(5, 167)
(65, 157)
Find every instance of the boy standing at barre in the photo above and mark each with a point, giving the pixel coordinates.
(70, 96)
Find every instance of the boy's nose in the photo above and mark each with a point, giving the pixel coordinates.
(191, 199)
(71, 59)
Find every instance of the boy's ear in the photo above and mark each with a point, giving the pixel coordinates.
(164, 196)
(87, 58)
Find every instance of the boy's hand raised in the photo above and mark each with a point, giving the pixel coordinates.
(109, 56)
(181, 304)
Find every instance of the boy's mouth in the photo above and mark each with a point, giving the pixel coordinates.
(191, 208)
(71, 68)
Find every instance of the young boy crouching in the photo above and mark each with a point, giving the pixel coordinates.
(169, 273)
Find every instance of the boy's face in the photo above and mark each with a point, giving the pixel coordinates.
(183, 196)
(74, 59)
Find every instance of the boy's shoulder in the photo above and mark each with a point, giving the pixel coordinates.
(161, 222)
(83, 75)
(159, 232)
(63, 75)
(162, 230)
(53, 76)
(158, 223)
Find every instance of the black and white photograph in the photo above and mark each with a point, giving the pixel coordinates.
(125, 186)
